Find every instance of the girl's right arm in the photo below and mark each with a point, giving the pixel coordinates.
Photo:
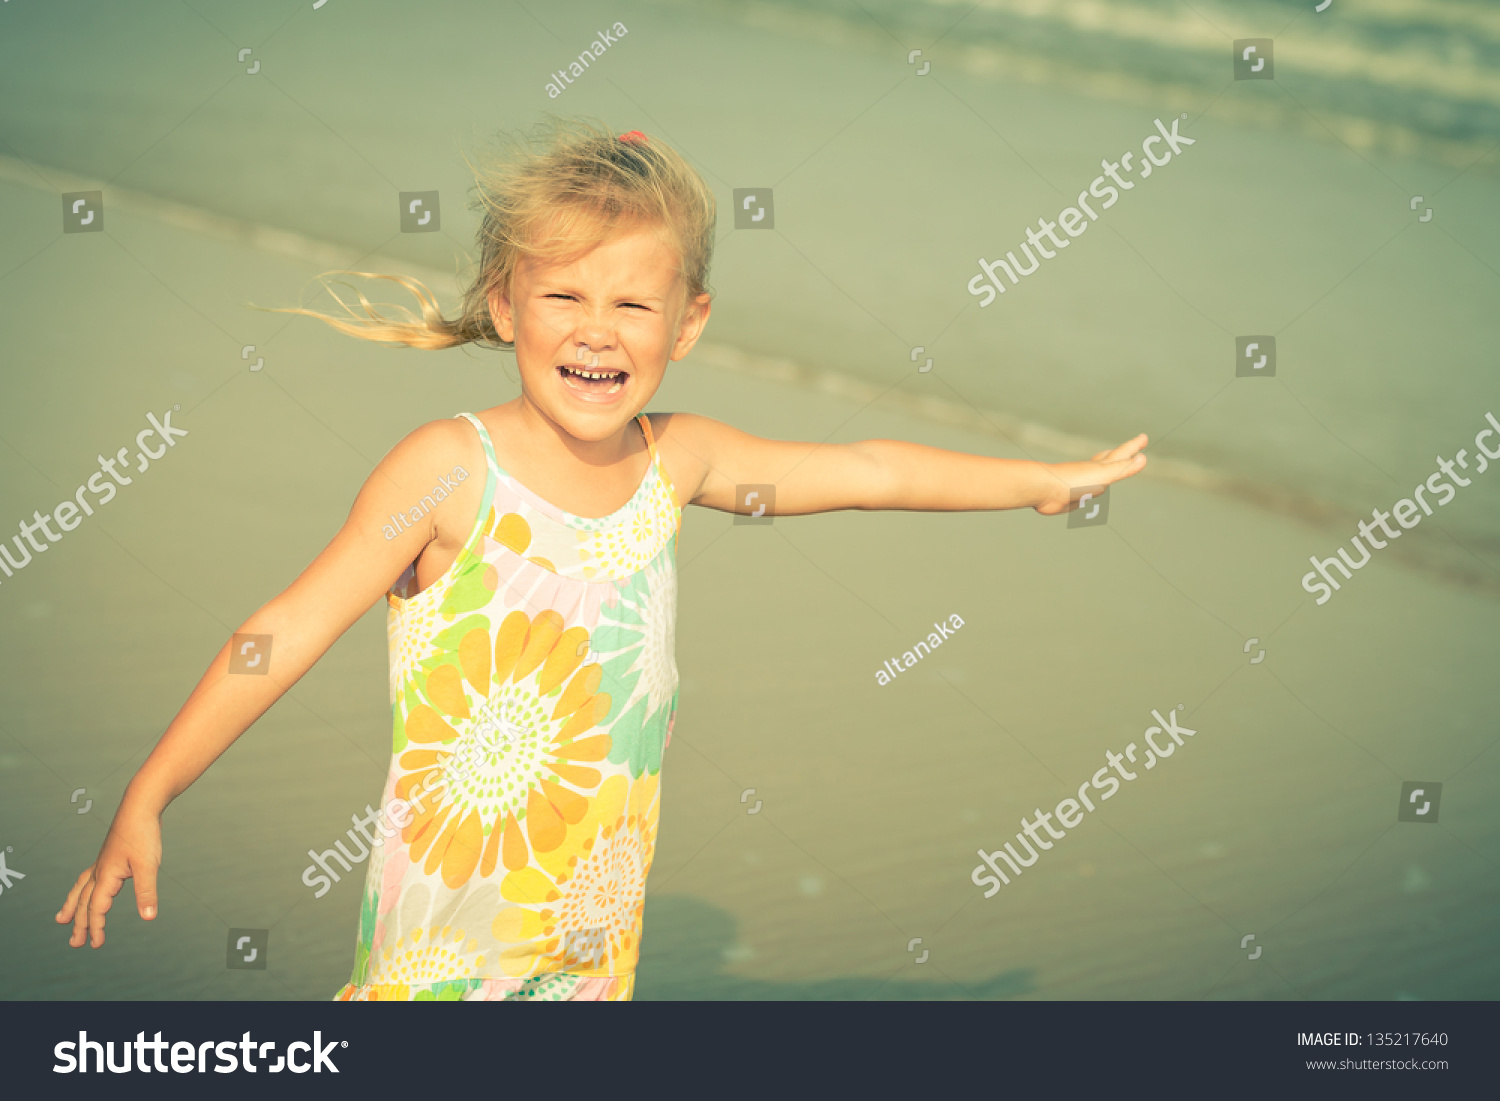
(351, 573)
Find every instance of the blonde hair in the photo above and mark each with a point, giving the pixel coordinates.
(552, 196)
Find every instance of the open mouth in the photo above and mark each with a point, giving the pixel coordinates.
(594, 381)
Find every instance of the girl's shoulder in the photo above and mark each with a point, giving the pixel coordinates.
(686, 429)
(439, 444)
(686, 443)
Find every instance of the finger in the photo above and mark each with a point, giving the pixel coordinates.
(105, 888)
(65, 915)
(1123, 468)
(145, 892)
(81, 918)
(1128, 448)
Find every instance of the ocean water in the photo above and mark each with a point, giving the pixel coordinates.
(1297, 213)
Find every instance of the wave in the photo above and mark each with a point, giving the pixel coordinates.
(1409, 77)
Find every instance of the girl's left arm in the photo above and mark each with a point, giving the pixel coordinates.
(878, 474)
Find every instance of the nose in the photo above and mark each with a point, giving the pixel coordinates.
(594, 334)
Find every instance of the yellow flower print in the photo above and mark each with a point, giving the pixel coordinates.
(409, 631)
(431, 955)
(512, 531)
(588, 897)
(498, 763)
(627, 547)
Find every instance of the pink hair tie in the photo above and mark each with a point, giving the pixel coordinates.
(633, 136)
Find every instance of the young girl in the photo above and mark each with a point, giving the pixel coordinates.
(532, 610)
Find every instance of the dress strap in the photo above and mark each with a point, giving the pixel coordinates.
(484, 439)
(645, 423)
(492, 478)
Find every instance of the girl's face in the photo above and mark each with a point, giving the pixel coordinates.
(593, 337)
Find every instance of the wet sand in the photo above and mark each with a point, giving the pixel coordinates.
(1278, 817)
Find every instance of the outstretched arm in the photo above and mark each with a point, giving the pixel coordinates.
(351, 573)
(879, 474)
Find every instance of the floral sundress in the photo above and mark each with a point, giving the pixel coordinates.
(533, 691)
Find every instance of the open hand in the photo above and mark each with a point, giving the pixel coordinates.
(1064, 483)
(132, 849)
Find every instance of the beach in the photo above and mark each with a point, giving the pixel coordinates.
(853, 877)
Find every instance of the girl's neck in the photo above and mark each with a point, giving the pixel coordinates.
(539, 435)
(582, 477)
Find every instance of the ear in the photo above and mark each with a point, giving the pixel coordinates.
(502, 316)
(691, 326)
